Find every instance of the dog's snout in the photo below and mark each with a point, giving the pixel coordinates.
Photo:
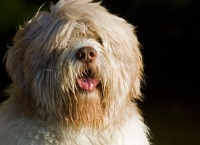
(86, 54)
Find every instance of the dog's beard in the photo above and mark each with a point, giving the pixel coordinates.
(84, 101)
(85, 108)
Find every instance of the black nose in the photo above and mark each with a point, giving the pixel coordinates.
(86, 54)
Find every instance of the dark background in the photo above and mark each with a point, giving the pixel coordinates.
(169, 31)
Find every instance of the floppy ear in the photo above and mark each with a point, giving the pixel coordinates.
(16, 54)
(14, 60)
(123, 42)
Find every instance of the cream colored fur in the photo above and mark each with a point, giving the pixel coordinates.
(45, 107)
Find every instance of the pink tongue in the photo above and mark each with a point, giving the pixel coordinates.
(87, 84)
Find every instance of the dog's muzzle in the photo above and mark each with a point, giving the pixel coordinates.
(87, 81)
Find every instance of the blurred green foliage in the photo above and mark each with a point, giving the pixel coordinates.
(15, 12)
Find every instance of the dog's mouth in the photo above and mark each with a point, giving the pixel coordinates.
(87, 81)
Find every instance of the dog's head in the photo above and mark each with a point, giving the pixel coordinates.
(77, 62)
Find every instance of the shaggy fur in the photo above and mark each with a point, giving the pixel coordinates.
(49, 104)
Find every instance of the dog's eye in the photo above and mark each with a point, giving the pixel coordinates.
(99, 40)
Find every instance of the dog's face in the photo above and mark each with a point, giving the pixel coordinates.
(77, 62)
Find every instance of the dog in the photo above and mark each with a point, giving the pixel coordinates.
(76, 73)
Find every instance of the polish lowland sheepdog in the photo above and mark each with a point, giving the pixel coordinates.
(76, 74)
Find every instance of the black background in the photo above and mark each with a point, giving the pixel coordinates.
(169, 31)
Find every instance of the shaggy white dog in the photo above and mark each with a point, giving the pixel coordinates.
(76, 73)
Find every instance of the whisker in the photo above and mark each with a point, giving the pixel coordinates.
(50, 70)
(56, 76)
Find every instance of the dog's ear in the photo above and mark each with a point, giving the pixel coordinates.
(15, 58)
(16, 54)
(14, 66)
(120, 39)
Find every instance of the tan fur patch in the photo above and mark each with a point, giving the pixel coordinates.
(86, 108)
